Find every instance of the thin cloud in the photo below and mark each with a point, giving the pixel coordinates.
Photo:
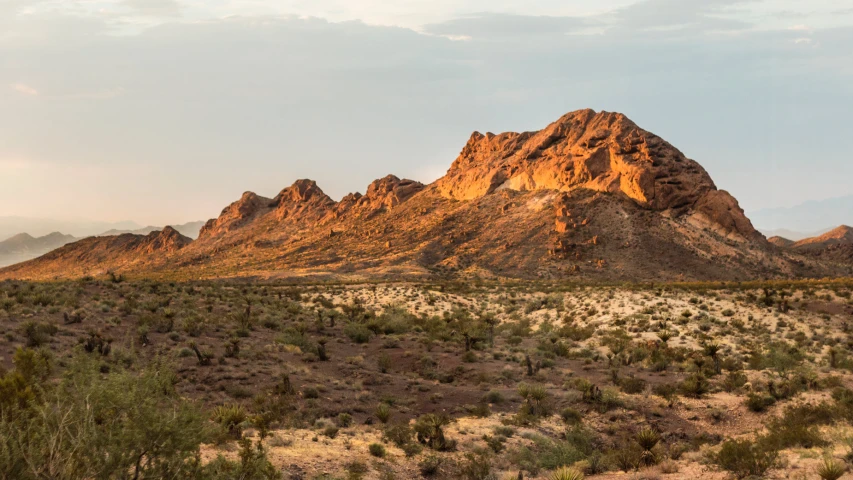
(154, 8)
(499, 25)
(25, 89)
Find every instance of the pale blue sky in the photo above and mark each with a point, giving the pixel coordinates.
(164, 111)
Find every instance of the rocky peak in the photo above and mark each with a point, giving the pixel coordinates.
(303, 200)
(604, 152)
(390, 191)
(301, 191)
(236, 214)
(166, 241)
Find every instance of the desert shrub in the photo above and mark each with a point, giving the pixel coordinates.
(570, 416)
(384, 362)
(37, 333)
(393, 320)
(430, 465)
(778, 356)
(99, 425)
(252, 465)
(296, 337)
(357, 333)
(22, 387)
(734, 381)
(549, 454)
(794, 430)
(356, 469)
(399, 434)
(746, 458)
(694, 386)
(377, 450)
(631, 385)
(310, 392)
(476, 466)
(494, 397)
(626, 457)
(330, 431)
(344, 420)
(759, 402)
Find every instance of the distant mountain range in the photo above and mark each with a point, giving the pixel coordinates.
(808, 219)
(38, 227)
(190, 230)
(791, 234)
(24, 246)
(593, 196)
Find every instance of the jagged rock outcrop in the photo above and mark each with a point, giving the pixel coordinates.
(303, 201)
(168, 240)
(382, 194)
(250, 206)
(603, 152)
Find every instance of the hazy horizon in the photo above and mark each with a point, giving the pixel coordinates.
(166, 111)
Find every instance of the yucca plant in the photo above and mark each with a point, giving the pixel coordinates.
(535, 399)
(831, 469)
(566, 473)
(231, 418)
(383, 412)
(648, 438)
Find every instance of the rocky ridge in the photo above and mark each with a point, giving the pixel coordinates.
(591, 196)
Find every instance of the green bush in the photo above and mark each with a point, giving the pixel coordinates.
(477, 466)
(377, 450)
(746, 458)
(96, 425)
(695, 386)
(430, 465)
(759, 402)
(357, 333)
(38, 333)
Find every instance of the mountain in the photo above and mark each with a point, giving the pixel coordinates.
(24, 246)
(126, 252)
(833, 246)
(842, 235)
(190, 230)
(781, 242)
(812, 216)
(792, 234)
(38, 227)
(592, 196)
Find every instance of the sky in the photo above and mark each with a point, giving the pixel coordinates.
(165, 111)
